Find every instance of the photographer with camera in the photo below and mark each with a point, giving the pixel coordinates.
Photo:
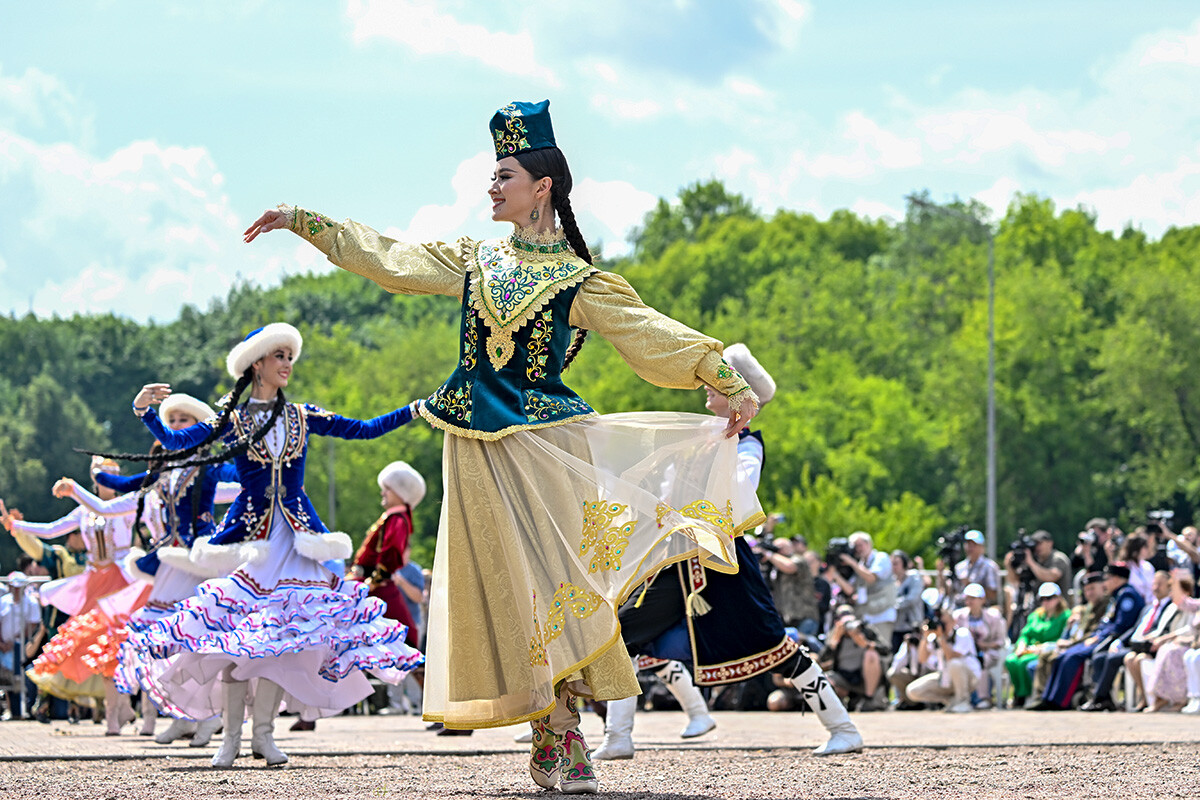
(952, 650)
(853, 661)
(1089, 554)
(1032, 561)
(976, 568)
(865, 578)
(785, 566)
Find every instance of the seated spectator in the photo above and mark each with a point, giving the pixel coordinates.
(853, 661)
(975, 568)
(1082, 623)
(1136, 553)
(1044, 626)
(1157, 619)
(1165, 678)
(910, 608)
(1124, 607)
(956, 662)
(990, 630)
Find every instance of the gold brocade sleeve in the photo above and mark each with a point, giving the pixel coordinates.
(33, 546)
(659, 349)
(400, 268)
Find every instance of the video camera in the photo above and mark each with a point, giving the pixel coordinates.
(950, 545)
(834, 551)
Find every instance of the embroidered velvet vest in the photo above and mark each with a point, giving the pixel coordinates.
(515, 331)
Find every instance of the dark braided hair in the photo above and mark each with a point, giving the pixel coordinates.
(183, 458)
(549, 162)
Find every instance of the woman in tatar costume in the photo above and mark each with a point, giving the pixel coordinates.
(725, 626)
(176, 503)
(551, 514)
(281, 617)
(80, 660)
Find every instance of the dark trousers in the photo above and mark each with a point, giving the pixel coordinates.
(1067, 673)
(1105, 665)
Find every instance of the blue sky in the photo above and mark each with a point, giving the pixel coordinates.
(137, 140)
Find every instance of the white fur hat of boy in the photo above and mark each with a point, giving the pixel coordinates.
(741, 359)
(178, 401)
(260, 342)
(404, 481)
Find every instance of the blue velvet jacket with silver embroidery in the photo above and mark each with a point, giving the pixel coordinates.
(177, 506)
(274, 483)
(521, 297)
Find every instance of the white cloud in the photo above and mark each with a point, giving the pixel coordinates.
(421, 27)
(998, 196)
(1152, 202)
(39, 104)
(445, 222)
(1173, 48)
(139, 232)
(610, 210)
(876, 210)
(781, 21)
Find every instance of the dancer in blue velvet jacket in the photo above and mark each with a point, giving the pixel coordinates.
(281, 616)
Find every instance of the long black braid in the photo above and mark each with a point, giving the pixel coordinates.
(550, 162)
(183, 458)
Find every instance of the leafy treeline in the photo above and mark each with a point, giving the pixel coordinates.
(874, 331)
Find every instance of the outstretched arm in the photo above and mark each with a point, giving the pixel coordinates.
(153, 394)
(325, 423)
(117, 507)
(398, 267)
(659, 349)
(119, 483)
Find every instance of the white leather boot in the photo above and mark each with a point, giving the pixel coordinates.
(205, 731)
(117, 710)
(267, 695)
(679, 681)
(618, 730)
(176, 730)
(816, 690)
(233, 714)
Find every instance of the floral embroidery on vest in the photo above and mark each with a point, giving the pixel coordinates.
(609, 540)
(455, 402)
(469, 358)
(539, 346)
(541, 407)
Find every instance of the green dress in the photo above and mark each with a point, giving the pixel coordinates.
(1038, 630)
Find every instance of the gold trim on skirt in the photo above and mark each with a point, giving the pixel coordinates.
(543, 532)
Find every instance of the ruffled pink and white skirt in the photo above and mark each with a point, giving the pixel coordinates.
(289, 620)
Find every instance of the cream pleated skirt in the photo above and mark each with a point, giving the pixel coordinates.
(544, 532)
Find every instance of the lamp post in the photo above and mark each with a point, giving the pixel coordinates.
(990, 506)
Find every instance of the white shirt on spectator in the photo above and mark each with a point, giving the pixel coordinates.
(1141, 577)
(880, 564)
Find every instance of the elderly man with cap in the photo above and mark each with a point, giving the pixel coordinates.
(1043, 627)
(1082, 623)
(988, 627)
(976, 568)
(1124, 606)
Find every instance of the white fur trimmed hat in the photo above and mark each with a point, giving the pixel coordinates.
(405, 481)
(260, 342)
(741, 359)
(189, 405)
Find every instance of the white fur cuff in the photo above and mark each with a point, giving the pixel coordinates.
(323, 546)
(131, 567)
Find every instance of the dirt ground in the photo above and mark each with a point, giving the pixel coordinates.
(1075, 771)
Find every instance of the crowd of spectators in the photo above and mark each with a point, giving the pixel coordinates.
(1110, 623)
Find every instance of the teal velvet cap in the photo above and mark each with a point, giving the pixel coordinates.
(521, 127)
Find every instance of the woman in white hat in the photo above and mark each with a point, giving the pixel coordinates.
(551, 514)
(176, 504)
(1044, 626)
(281, 617)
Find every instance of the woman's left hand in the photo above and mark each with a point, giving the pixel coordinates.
(271, 219)
(63, 487)
(740, 418)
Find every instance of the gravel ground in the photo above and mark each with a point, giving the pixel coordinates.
(1076, 771)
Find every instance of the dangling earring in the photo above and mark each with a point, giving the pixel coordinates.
(534, 215)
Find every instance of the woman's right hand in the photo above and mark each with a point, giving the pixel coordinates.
(152, 394)
(271, 219)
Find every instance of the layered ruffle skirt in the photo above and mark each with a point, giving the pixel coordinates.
(287, 619)
(85, 649)
(544, 532)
